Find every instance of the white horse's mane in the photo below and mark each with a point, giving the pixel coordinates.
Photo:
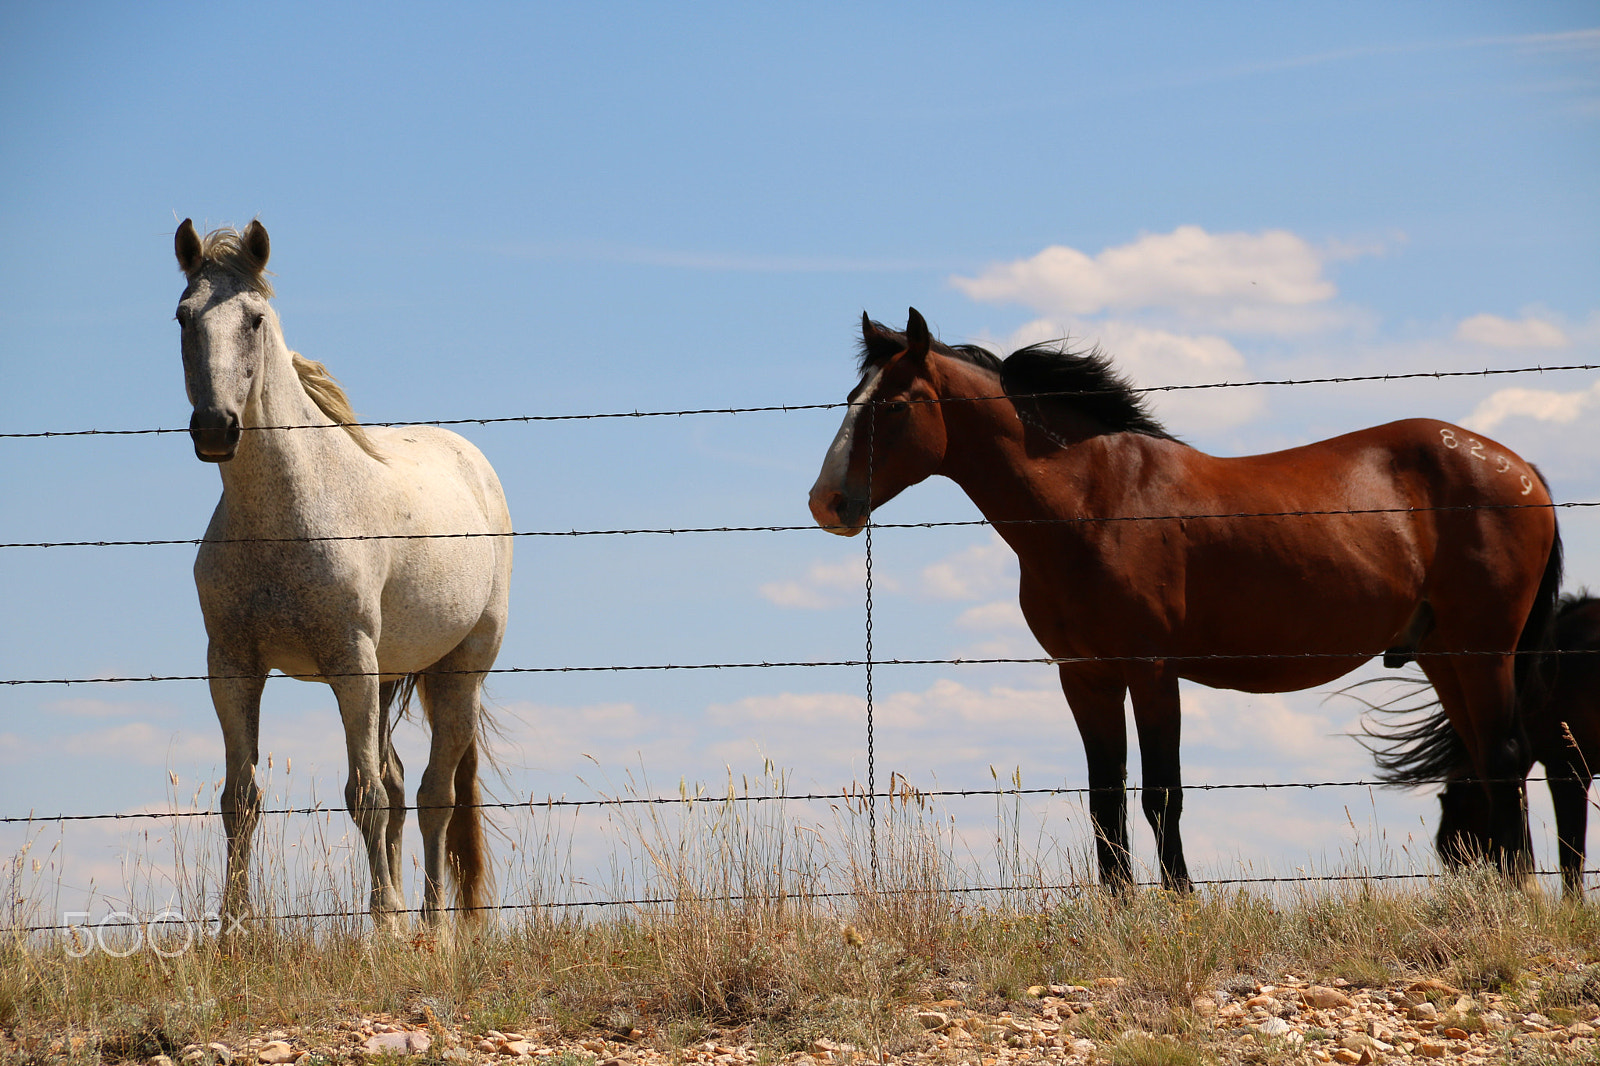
(326, 392)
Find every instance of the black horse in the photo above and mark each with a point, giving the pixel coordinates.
(1563, 733)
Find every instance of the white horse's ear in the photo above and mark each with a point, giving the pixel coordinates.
(918, 339)
(257, 244)
(186, 243)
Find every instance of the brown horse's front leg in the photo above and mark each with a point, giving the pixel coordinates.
(1157, 715)
(1097, 707)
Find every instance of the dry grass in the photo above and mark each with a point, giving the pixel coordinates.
(777, 931)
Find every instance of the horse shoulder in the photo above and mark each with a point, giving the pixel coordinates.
(440, 476)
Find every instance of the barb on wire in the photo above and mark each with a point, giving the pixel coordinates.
(673, 531)
(1258, 383)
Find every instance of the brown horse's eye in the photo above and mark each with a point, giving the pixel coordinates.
(896, 407)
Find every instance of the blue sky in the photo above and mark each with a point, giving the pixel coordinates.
(524, 210)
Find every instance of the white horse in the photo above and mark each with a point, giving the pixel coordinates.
(287, 581)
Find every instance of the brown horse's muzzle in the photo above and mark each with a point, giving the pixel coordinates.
(838, 513)
(215, 435)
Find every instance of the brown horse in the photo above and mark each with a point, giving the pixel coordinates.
(1563, 732)
(1146, 562)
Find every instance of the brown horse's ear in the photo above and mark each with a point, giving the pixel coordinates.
(257, 244)
(918, 339)
(186, 243)
(878, 345)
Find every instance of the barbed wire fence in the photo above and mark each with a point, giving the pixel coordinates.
(851, 795)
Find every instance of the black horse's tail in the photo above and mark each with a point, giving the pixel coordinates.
(1424, 748)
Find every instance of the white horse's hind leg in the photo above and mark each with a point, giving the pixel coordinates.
(364, 792)
(236, 695)
(452, 703)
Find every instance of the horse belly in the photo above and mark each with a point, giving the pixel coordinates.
(440, 586)
(432, 603)
(1273, 675)
(1304, 634)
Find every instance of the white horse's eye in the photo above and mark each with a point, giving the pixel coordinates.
(255, 323)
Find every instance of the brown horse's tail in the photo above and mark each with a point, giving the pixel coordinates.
(1422, 748)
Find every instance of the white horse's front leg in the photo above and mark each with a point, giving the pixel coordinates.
(236, 686)
(394, 774)
(364, 793)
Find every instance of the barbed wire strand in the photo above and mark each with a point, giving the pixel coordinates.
(1043, 660)
(674, 531)
(847, 795)
(773, 408)
(647, 901)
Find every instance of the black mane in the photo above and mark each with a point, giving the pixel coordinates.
(1043, 381)
(1574, 632)
(1046, 381)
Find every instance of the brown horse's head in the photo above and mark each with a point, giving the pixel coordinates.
(893, 434)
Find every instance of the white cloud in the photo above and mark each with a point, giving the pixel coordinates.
(941, 705)
(1263, 725)
(145, 744)
(1495, 332)
(1542, 405)
(804, 709)
(999, 615)
(1237, 280)
(85, 707)
(826, 585)
(16, 749)
(554, 740)
(972, 573)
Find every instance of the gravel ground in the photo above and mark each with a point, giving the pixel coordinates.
(1289, 1021)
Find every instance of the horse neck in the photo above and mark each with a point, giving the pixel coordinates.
(274, 467)
(998, 461)
(985, 449)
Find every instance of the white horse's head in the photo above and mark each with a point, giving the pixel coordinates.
(229, 331)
